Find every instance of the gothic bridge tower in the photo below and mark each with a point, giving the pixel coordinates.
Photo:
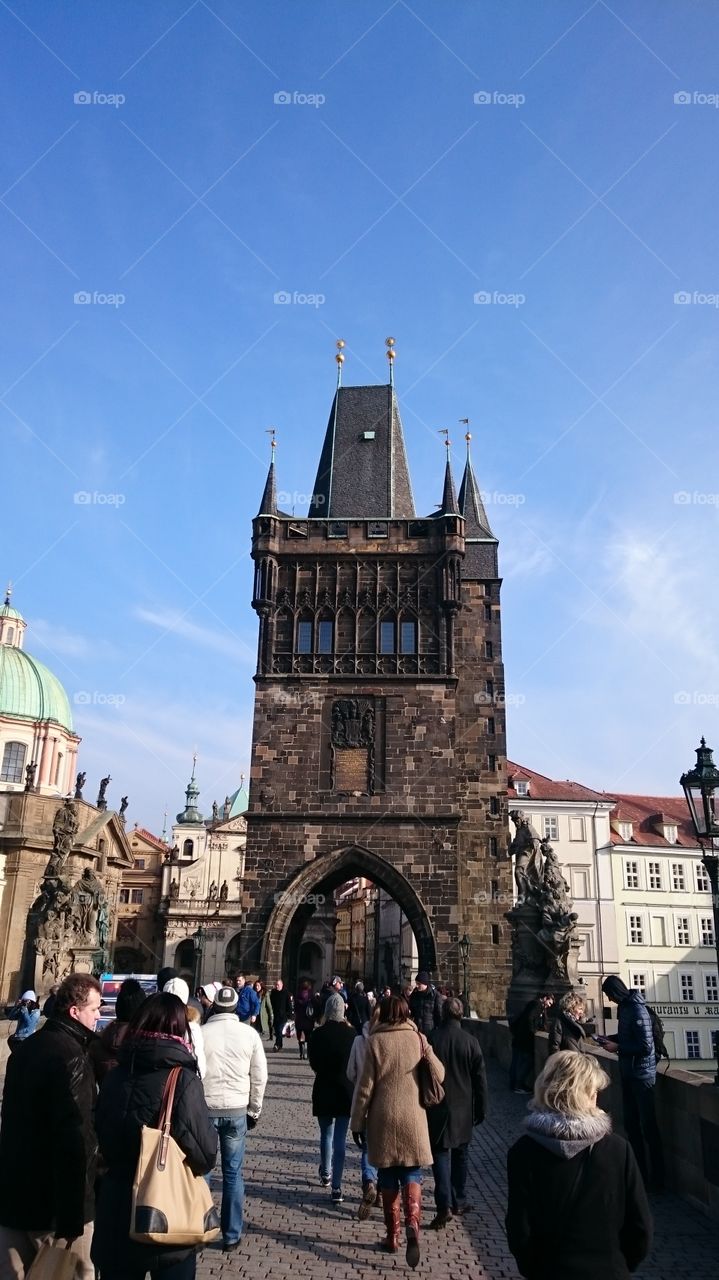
(379, 730)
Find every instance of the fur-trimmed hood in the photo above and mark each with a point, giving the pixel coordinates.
(565, 1135)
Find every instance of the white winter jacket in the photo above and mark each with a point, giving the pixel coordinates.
(357, 1055)
(236, 1071)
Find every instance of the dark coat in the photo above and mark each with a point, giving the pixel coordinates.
(566, 1033)
(465, 1087)
(600, 1231)
(130, 1097)
(328, 1052)
(303, 1001)
(358, 1010)
(425, 1009)
(48, 1148)
(524, 1025)
(281, 1002)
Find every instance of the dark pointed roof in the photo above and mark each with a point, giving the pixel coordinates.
(450, 506)
(476, 524)
(268, 504)
(363, 471)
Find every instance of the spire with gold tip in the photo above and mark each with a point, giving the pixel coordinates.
(268, 505)
(391, 356)
(340, 360)
(449, 505)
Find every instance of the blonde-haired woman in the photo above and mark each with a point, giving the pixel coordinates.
(567, 1029)
(577, 1206)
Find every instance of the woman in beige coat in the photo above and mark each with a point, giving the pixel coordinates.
(386, 1106)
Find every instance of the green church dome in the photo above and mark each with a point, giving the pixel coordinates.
(28, 690)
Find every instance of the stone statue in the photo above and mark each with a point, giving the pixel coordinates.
(64, 830)
(104, 784)
(174, 889)
(103, 923)
(525, 849)
(226, 808)
(224, 891)
(212, 891)
(123, 808)
(79, 784)
(30, 771)
(215, 811)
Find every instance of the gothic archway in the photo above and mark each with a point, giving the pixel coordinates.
(327, 873)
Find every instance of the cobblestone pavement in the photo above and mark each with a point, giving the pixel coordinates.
(292, 1228)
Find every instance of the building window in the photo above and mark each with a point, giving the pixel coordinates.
(576, 829)
(670, 833)
(659, 931)
(626, 830)
(703, 885)
(494, 806)
(490, 727)
(304, 637)
(188, 849)
(140, 864)
(682, 923)
(124, 895)
(715, 1043)
(493, 847)
(489, 688)
(521, 789)
(639, 983)
(631, 875)
(636, 929)
(711, 988)
(488, 649)
(692, 1043)
(137, 896)
(408, 637)
(678, 876)
(551, 828)
(58, 767)
(13, 762)
(686, 983)
(325, 632)
(488, 612)
(706, 929)
(386, 637)
(655, 875)
(492, 764)
(495, 935)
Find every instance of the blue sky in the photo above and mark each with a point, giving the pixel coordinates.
(181, 198)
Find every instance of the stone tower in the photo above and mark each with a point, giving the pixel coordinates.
(379, 729)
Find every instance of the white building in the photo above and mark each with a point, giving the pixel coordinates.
(643, 900)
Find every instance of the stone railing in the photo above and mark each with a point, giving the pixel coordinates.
(687, 1111)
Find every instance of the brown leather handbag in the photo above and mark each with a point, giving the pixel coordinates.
(431, 1092)
(170, 1204)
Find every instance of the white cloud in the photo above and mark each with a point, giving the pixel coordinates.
(217, 638)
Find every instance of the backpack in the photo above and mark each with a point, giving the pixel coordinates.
(660, 1049)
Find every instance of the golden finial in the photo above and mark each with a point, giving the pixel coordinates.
(391, 354)
(340, 359)
(270, 431)
(444, 431)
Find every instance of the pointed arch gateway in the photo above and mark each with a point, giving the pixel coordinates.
(328, 872)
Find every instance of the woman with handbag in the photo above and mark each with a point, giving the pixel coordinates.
(329, 1052)
(132, 1095)
(577, 1206)
(400, 1077)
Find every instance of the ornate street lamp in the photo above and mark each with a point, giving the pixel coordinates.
(464, 946)
(198, 942)
(700, 785)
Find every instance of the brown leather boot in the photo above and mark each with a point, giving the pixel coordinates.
(369, 1199)
(390, 1205)
(412, 1200)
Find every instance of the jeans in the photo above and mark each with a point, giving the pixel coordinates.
(333, 1142)
(232, 1134)
(398, 1175)
(450, 1177)
(640, 1123)
(369, 1173)
(184, 1270)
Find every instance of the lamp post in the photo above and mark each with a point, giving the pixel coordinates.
(700, 785)
(198, 942)
(464, 946)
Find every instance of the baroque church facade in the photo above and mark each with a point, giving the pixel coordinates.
(379, 732)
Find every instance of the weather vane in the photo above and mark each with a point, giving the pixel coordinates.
(391, 354)
(340, 360)
(468, 435)
(270, 431)
(444, 431)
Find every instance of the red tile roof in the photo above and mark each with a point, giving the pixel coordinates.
(646, 813)
(541, 788)
(147, 835)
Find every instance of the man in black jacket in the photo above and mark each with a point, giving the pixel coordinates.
(281, 1002)
(464, 1105)
(358, 1008)
(48, 1148)
(425, 1004)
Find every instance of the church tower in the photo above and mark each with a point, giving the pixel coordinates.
(379, 732)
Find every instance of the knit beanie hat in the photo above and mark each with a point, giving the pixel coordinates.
(178, 987)
(226, 1000)
(335, 1008)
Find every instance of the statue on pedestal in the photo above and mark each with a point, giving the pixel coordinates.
(30, 771)
(79, 784)
(525, 849)
(224, 891)
(64, 829)
(104, 784)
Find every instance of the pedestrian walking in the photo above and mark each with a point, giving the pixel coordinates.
(425, 1004)
(264, 1024)
(281, 1002)
(27, 1015)
(48, 1148)
(464, 1106)
(234, 1085)
(304, 1023)
(567, 1028)
(387, 1106)
(248, 1001)
(178, 987)
(577, 1208)
(319, 1000)
(329, 1053)
(157, 1040)
(521, 1029)
(370, 1193)
(634, 1046)
(339, 988)
(129, 998)
(358, 1007)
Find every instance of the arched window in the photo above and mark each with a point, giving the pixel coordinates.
(188, 848)
(58, 768)
(10, 635)
(388, 635)
(13, 762)
(408, 636)
(303, 643)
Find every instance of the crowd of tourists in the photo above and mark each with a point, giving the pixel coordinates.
(395, 1069)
